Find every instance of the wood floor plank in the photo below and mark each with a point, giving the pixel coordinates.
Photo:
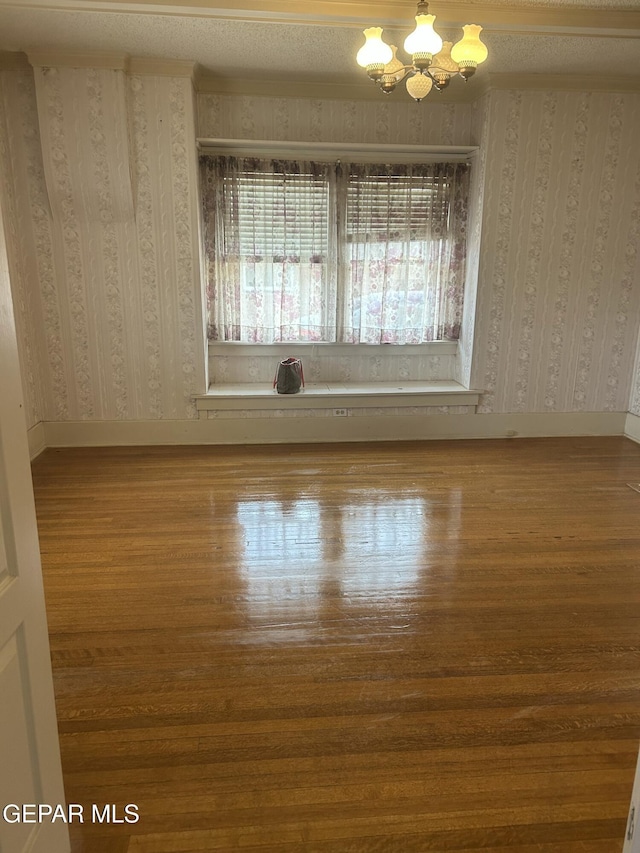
(370, 647)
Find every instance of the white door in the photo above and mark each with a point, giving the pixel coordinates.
(632, 834)
(30, 772)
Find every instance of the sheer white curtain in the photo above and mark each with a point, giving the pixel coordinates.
(403, 254)
(357, 253)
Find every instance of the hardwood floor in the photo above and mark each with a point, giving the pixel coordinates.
(386, 647)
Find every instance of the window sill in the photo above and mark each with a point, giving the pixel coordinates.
(326, 349)
(338, 395)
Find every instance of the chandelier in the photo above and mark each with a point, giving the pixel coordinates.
(433, 62)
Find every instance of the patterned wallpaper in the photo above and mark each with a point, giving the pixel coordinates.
(313, 120)
(551, 313)
(634, 406)
(82, 116)
(107, 271)
(559, 277)
(334, 368)
(29, 244)
(168, 292)
(104, 248)
(479, 137)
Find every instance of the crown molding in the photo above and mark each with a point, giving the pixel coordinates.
(565, 82)
(358, 13)
(68, 59)
(118, 62)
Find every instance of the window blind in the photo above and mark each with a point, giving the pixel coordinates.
(404, 205)
(276, 214)
(354, 253)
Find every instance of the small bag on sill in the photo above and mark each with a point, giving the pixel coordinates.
(289, 378)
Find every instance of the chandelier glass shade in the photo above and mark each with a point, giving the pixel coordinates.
(433, 62)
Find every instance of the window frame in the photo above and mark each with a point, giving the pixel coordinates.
(362, 153)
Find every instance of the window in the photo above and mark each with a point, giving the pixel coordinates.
(348, 253)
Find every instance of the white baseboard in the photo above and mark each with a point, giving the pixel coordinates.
(36, 439)
(632, 427)
(359, 428)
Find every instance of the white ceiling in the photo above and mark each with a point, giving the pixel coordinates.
(297, 50)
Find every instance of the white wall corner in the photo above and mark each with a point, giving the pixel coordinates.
(634, 394)
(36, 440)
(201, 365)
(473, 372)
(632, 427)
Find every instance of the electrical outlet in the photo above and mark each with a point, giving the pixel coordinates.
(340, 413)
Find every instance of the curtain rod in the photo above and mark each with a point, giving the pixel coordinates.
(363, 151)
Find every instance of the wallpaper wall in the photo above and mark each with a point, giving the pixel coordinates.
(559, 276)
(319, 367)
(634, 406)
(313, 120)
(103, 236)
(29, 243)
(553, 287)
(479, 136)
(106, 252)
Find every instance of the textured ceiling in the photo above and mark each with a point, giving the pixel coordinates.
(266, 49)
(574, 4)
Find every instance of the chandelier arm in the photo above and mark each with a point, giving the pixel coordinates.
(429, 72)
(406, 70)
(433, 68)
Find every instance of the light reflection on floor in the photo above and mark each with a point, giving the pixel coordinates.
(371, 549)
